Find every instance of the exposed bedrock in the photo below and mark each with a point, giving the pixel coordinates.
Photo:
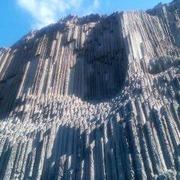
(95, 97)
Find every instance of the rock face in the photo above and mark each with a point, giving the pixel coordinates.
(93, 98)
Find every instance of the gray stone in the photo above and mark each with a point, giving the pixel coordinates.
(95, 97)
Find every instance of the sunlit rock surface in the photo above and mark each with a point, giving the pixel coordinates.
(93, 98)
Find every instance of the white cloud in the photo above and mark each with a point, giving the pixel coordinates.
(45, 12)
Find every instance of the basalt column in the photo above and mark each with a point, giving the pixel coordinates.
(95, 97)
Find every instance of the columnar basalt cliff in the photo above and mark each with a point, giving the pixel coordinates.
(95, 97)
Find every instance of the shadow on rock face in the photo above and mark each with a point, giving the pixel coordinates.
(102, 62)
(11, 81)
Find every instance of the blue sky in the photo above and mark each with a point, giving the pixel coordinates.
(18, 17)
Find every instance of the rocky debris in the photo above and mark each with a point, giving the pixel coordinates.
(93, 98)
